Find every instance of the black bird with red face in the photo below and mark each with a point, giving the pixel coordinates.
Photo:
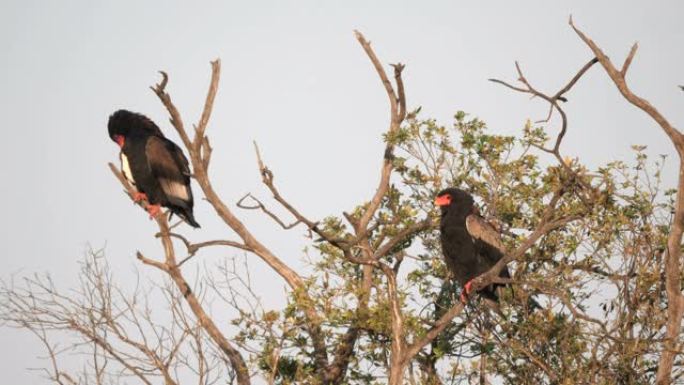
(154, 165)
(471, 246)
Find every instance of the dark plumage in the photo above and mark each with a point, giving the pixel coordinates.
(123, 121)
(154, 165)
(471, 246)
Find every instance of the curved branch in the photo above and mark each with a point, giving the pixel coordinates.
(618, 78)
(260, 206)
(553, 104)
(176, 121)
(673, 269)
(401, 237)
(397, 115)
(433, 332)
(200, 171)
(170, 267)
(208, 104)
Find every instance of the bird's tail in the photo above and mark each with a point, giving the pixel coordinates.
(491, 292)
(186, 215)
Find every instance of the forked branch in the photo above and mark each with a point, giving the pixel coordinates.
(200, 151)
(673, 269)
(618, 78)
(171, 267)
(554, 105)
(397, 115)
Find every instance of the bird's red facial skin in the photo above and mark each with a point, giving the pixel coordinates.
(120, 140)
(443, 200)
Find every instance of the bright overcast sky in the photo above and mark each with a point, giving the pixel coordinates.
(294, 79)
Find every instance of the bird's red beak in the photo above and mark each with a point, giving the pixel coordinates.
(120, 140)
(443, 200)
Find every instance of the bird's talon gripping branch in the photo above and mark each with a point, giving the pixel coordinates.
(153, 210)
(465, 293)
(139, 196)
(468, 287)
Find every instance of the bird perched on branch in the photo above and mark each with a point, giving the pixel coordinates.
(471, 246)
(154, 165)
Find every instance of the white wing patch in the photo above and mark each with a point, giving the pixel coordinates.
(126, 168)
(174, 188)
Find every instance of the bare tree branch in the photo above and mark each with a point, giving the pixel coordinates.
(208, 105)
(200, 171)
(171, 267)
(553, 104)
(176, 121)
(673, 270)
(260, 206)
(397, 115)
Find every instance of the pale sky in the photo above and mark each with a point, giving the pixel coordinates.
(294, 79)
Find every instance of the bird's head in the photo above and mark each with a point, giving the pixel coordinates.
(124, 124)
(119, 127)
(454, 198)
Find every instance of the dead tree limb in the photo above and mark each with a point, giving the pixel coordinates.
(171, 267)
(554, 105)
(397, 114)
(673, 269)
(200, 151)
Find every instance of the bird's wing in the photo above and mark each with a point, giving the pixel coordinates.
(479, 229)
(490, 246)
(170, 167)
(179, 157)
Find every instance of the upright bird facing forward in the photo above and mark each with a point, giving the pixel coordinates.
(471, 246)
(154, 165)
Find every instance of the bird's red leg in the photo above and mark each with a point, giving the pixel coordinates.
(154, 210)
(139, 196)
(468, 286)
(466, 290)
